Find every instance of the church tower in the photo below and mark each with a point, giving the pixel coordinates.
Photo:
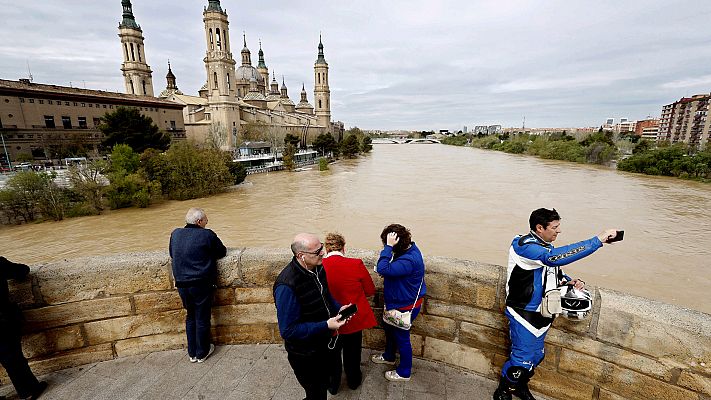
(136, 72)
(262, 68)
(322, 94)
(220, 68)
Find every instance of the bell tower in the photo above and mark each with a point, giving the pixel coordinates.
(136, 72)
(322, 93)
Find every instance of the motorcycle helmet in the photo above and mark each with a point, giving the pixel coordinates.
(576, 303)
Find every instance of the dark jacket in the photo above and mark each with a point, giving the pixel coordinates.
(195, 251)
(9, 312)
(402, 276)
(303, 305)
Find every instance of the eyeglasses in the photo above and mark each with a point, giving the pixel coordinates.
(317, 252)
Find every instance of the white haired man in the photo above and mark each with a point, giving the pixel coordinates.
(194, 251)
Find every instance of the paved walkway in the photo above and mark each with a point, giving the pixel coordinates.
(246, 372)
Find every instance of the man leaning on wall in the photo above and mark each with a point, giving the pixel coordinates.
(194, 251)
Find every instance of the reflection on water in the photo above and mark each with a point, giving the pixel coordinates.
(458, 202)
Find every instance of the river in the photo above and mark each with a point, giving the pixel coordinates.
(458, 202)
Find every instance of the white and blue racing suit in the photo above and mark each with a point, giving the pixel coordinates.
(534, 268)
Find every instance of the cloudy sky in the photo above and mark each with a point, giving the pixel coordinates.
(398, 64)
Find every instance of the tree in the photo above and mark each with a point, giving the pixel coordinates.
(89, 182)
(237, 170)
(192, 172)
(288, 156)
(128, 126)
(254, 131)
(367, 144)
(124, 159)
(291, 139)
(349, 146)
(216, 136)
(28, 194)
(324, 143)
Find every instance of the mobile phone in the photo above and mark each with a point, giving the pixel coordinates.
(347, 312)
(619, 236)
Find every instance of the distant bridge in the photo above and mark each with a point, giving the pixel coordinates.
(405, 141)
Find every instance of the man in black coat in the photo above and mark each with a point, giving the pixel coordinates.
(194, 251)
(11, 356)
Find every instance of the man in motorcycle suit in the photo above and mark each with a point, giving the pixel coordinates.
(533, 269)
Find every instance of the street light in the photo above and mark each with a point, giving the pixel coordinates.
(7, 156)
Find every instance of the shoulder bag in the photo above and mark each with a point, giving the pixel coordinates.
(401, 319)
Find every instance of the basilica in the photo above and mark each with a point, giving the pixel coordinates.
(232, 97)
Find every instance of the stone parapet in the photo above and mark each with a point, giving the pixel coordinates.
(94, 309)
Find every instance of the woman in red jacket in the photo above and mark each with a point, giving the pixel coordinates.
(349, 283)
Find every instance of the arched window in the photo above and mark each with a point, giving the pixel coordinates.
(132, 91)
(215, 79)
(239, 92)
(212, 46)
(318, 76)
(326, 103)
(138, 47)
(133, 55)
(125, 47)
(225, 35)
(319, 103)
(217, 36)
(229, 87)
(143, 84)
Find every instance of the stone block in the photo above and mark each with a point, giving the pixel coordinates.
(229, 271)
(254, 295)
(695, 382)
(655, 328)
(72, 313)
(605, 395)
(627, 383)
(662, 369)
(157, 301)
(466, 357)
(72, 358)
(21, 291)
(483, 337)
(113, 329)
(52, 341)
(550, 383)
(150, 344)
(241, 314)
(245, 334)
(96, 277)
(461, 290)
(260, 267)
(492, 319)
(224, 296)
(374, 338)
(433, 326)
(418, 344)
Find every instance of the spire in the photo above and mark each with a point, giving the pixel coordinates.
(274, 87)
(320, 59)
(170, 78)
(214, 5)
(128, 20)
(246, 54)
(283, 87)
(261, 64)
(303, 93)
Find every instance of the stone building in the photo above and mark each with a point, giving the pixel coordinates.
(47, 121)
(235, 96)
(686, 121)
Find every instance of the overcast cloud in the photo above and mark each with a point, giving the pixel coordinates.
(398, 64)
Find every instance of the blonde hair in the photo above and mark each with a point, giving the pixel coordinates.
(334, 242)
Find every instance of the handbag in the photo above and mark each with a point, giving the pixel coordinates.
(401, 319)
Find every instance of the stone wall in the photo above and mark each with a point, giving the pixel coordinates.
(94, 309)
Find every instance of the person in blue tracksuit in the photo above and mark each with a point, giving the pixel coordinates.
(534, 267)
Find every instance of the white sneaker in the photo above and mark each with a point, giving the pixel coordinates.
(378, 359)
(193, 359)
(212, 350)
(394, 377)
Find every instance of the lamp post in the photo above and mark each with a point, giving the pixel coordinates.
(7, 156)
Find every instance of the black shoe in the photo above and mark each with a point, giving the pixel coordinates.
(503, 392)
(37, 392)
(522, 392)
(333, 387)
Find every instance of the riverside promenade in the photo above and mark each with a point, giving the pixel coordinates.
(249, 372)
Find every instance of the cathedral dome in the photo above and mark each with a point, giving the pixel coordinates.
(247, 73)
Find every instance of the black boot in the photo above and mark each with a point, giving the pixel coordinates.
(522, 391)
(503, 392)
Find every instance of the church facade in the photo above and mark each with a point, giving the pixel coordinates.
(235, 98)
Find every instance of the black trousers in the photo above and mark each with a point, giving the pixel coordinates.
(198, 302)
(349, 346)
(15, 363)
(312, 372)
